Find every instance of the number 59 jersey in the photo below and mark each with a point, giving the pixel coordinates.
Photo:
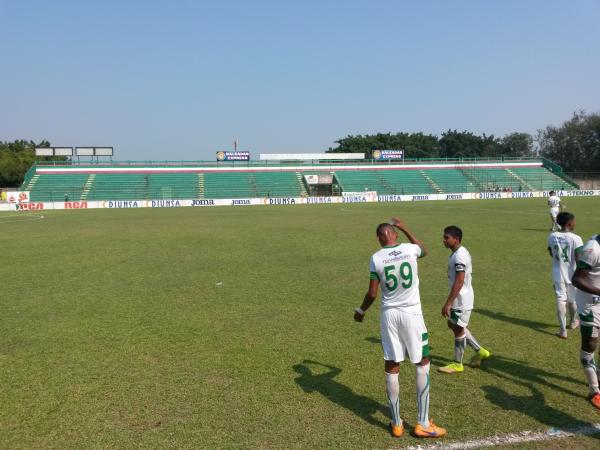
(396, 269)
(563, 246)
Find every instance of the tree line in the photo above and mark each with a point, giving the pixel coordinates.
(575, 145)
(16, 158)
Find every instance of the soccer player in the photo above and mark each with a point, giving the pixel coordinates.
(459, 303)
(403, 331)
(587, 281)
(555, 207)
(562, 246)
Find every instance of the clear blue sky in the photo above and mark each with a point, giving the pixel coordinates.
(182, 79)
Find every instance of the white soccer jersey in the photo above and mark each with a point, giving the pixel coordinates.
(554, 203)
(460, 261)
(588, 258)
(396, 268)
(563, 246)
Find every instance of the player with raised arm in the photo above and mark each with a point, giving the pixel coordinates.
(562, 246)
(403, 331)
(459, 303)
(555, 207)
(587, 280)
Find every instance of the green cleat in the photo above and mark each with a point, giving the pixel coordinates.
(452, 368)
(481, 355)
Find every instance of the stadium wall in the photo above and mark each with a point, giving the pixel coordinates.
(367, 197)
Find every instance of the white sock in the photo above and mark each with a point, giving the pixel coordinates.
(471, 340)
(573, 311)
(423, 395)
(393, 394)
(459, 348)
(561, 315)
(589, 369)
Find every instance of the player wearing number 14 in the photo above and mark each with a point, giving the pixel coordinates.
(562, 246)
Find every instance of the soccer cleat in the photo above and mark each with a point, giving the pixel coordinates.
(481, 355)
(595, 399)
(452, 368)
(397, 430)
(561, 334)
(433, 431)
(574, 324)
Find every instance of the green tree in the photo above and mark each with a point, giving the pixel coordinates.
(415, 145)
(15, 160)
(517, 144)
(575, 145)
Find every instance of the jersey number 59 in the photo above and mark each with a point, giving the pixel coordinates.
(405, 273)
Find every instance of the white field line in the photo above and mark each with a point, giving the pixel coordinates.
(514, 438)
(16, 218)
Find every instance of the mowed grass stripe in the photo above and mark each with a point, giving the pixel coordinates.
(232, 327)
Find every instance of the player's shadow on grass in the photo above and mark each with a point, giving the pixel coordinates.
(520, 373)
(324, 382)
(532, 324)
(534, 406)
(373, 340)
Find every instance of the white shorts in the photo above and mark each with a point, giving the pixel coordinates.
(553, 213)
(460, 317)
(565, 292)
(403, 334)
(589, 319)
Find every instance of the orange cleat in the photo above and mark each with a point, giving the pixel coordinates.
(397, 430)
(595, 399)
(433, 431)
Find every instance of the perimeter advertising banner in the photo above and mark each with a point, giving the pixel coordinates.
(388, 154)
(17, 197)
(233, 156)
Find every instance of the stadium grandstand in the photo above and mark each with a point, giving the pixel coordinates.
(81, 181)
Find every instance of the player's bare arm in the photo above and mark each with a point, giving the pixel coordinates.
(370, 296)
(456, 287)
(582, 281)
(398, 223)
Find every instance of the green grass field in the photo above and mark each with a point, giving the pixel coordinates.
(232, 327)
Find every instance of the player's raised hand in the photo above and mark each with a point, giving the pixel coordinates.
(398, 223)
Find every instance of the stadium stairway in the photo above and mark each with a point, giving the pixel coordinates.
(87, 186)
(200, 185)
(432, 183)
(300, 178)
(31, 185)
(520, 180)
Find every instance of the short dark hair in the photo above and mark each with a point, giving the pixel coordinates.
(454, 231)
(564, 218)
(382, 227)
(552, 192)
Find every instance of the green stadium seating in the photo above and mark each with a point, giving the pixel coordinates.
(52, 188)
(540, 179)
(251, 184)
(262, 183)
(384, 182)
(452, 180)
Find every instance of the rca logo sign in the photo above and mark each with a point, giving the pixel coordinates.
(29, 206)
(76, 205)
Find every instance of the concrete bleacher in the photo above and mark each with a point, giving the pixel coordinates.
(384, 181)
(540, 179)
(53, 188)
(252, 184)
(140, 182)
(452, 180)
